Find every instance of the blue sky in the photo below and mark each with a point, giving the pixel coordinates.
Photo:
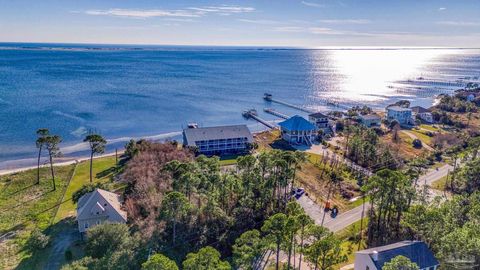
(307, 23)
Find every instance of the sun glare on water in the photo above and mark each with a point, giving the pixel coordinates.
(367, 75)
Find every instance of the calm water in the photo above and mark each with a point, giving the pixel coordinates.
(155, 91)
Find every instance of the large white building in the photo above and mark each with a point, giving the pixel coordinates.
(401, 114)
(218, 140)
(417, 251)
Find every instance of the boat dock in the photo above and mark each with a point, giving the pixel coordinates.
(252, 113)
(276, 113)
(332, 103)
(268, 97)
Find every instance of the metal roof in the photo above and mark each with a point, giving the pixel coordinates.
(192, 135)
(417, 251)
(297, 123)
(318, 115)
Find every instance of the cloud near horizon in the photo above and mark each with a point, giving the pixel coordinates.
(312, 4)
(459, 23)
(191, 12)
(346, 21)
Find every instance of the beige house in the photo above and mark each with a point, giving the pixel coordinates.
(97, 207)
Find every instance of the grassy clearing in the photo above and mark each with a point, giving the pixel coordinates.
(350, 243)
(25, 206)
(440, 183)
(103, 169)
(228, 160)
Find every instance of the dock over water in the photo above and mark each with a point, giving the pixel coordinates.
(276, 113)
(253, 114)
(268, 97)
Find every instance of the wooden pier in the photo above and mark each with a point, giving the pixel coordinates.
(327, 102)
(276, 113)
(252, 113)
(268, 97)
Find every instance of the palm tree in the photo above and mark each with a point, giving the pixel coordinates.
(41, 133)
(97, 146)
(51, 143)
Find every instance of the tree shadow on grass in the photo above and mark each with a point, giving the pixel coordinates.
(62, 235)
(104, 173)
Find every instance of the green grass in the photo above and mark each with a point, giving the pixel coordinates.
(24, 206)
(440, 183)
(429, 127)
(358, 202)
(350, 246)
(228, 160)
(422, 136)
(103, 169)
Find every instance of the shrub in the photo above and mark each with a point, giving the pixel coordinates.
(417, 143)
(37, 240)
(68, 255)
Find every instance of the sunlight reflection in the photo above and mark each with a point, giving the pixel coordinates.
(368, 75)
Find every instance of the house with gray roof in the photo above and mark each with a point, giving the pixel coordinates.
(98, 207)
(370, 120)
(417, 251)
(298, 130)
(218, 140)
(422, 113)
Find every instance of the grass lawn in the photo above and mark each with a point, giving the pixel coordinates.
(440, 183)
(349, 245)
(429, 127)
(228, 160)
(103, 169)
(25, 206)
(422, 136)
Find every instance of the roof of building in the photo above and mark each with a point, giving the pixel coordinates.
(399, 109)
(193, 135)
(297, 123)
(419, 109)
(318, 115)
(370, 116)
(91, 200)
(417, 251)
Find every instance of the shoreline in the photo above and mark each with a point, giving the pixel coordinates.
(16, 165)
(67, 162)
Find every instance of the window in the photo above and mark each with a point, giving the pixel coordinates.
(86, 225)
(98, 222)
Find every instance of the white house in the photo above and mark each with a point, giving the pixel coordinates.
(97, 207)
(297, 130)
(422, 113)
(401, 114)
(320, 120)
(370, 120)
(417, 251)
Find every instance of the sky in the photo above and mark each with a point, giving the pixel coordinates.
(282, 23)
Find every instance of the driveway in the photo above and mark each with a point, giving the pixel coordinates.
(61, 242)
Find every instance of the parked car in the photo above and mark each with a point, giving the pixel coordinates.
(298, 192)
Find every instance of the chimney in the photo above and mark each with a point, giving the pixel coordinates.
(375, 256)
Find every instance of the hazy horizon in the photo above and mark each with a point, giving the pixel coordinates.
(298, 24)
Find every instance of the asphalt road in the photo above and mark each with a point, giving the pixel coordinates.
(343, 220)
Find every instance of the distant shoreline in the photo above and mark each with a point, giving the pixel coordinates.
(169, 47)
